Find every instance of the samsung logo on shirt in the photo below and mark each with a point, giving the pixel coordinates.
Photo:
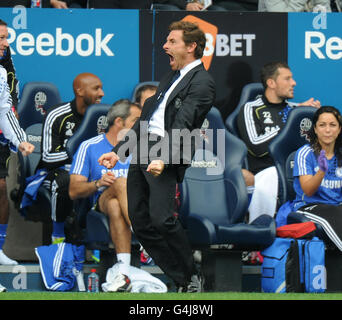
(117, 172)
(331, 184)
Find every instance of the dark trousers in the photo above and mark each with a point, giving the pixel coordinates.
(151, 210)
(57, 182)
(329, 217)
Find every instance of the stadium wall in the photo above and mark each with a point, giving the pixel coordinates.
(124, 47)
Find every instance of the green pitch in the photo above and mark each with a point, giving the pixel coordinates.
(166, 296)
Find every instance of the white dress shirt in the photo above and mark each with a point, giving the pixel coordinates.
(156, 123)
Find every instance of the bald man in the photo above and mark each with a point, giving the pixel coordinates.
(60, 123)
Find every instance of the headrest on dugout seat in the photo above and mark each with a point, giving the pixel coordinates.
(249, 93)
(93, 123)
(217, 193)
(36, 99)
(140, 84)
(283, 147)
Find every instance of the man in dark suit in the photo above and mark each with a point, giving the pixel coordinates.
(160, 159)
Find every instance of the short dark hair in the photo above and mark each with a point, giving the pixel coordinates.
(315, 145)
(3, 23)
(271, 70)
(143, 88)
(191, 33)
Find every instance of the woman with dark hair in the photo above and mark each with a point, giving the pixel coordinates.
(318, 174)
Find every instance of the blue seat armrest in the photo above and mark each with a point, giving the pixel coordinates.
(255, 236)
(201, 230)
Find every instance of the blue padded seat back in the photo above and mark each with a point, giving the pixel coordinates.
(249, 92)
(93, 123)
(286, 143)
(30, 162)
(204, 193)
(289, 164)
(36, 99)
(217, 193)
(140, 84)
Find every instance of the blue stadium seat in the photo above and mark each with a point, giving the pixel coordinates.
(34, 136)
(284, 146)
(249, 92)
(140, 84)
(214, 204)
(95, 224)
(40, 210)
(27, 168)
(93, 123)
(283, 149)
(36, 99)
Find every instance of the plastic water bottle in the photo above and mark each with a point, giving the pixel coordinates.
(93, 281)
(36, 3)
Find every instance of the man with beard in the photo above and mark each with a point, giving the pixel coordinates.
(259, 122)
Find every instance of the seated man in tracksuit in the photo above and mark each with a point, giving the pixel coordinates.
(259, 122)
(60, 123)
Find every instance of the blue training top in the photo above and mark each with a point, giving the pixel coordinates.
(85, 161)
(329, 191)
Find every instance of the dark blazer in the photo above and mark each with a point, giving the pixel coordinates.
(186, 108)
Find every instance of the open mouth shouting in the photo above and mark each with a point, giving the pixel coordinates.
(172, 61)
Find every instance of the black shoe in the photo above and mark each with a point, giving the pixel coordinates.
(195, 285)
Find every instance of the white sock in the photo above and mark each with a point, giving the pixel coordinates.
(125, 259)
